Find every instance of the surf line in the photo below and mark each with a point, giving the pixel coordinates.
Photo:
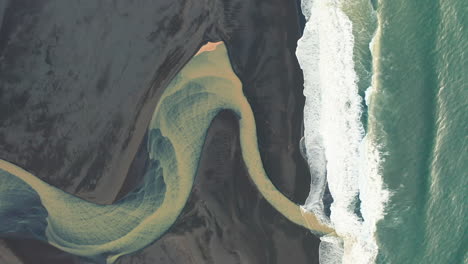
(203, 88)
(338, 150)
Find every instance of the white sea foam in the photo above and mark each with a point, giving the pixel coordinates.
(336, 147)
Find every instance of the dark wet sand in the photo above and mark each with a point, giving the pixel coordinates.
(75, 109)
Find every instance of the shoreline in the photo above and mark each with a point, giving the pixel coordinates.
(275, 93)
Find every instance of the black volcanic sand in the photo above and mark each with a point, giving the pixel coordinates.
(78, 85)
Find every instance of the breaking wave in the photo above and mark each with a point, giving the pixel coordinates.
(338, 150)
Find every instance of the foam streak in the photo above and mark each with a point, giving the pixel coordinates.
(334, 138)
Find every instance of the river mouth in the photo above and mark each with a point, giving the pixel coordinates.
(205, 87)
(339, 145)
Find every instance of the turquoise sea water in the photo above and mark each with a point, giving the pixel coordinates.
(387, 106)
(421, 109)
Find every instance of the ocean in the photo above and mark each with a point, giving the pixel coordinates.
(386, 120)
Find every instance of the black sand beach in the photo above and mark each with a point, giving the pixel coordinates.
(78, 86)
